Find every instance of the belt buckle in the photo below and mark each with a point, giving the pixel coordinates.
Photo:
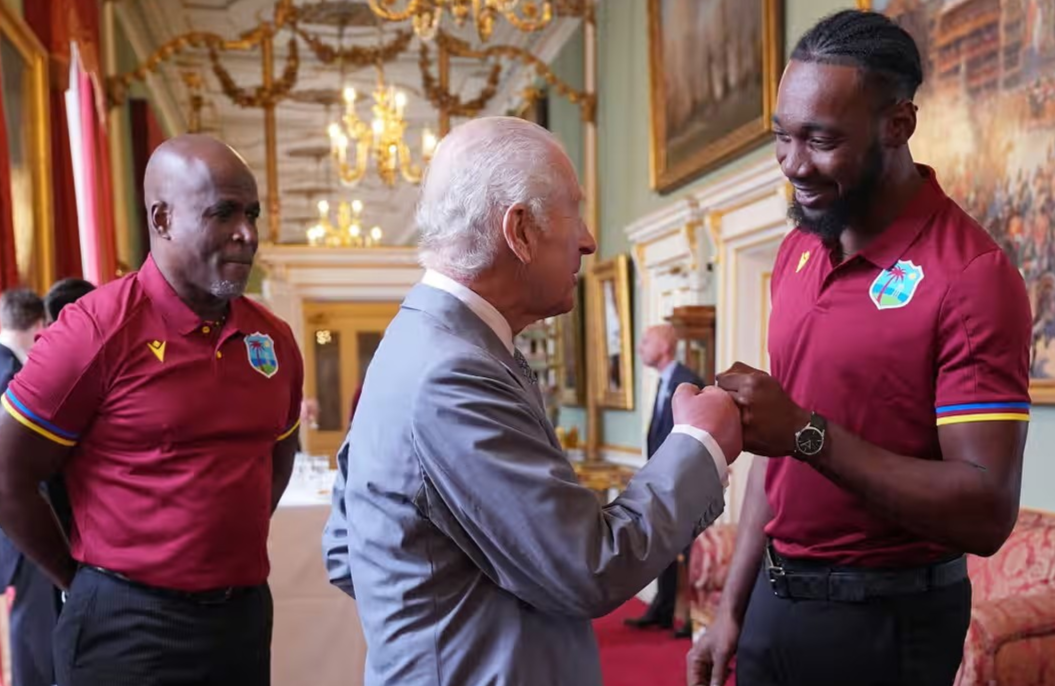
(778, 578)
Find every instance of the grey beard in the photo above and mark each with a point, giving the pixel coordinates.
(226, 289)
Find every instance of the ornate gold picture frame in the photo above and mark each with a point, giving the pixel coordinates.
(24, 79)
(714, 66)
(610, 317)
(571, 378)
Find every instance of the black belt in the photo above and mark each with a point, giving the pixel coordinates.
(802, 580)
(211, 597)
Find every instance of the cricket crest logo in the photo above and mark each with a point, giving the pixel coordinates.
(895, 287)
(261, 350)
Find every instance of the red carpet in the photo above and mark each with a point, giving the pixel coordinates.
(632, 657)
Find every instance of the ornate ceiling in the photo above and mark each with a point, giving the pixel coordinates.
(306, 174)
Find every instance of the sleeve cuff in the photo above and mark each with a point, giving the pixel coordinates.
(289, 432)
(712, 447)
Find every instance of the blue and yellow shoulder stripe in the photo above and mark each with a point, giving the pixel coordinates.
(31, 421)
(982, 412)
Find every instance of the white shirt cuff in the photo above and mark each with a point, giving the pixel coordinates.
(712, 447)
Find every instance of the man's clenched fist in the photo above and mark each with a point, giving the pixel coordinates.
(713, 411)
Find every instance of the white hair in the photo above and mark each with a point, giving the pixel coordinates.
(480, 170)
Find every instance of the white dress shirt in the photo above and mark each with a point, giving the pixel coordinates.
(9, 340)
(497, 323)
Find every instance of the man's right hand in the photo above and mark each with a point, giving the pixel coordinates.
(711, 410)
(708, 659)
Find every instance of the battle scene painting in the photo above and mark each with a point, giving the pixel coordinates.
(987, 127)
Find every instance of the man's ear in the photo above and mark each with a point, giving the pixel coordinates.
(161, 219)
(518, 230)
(901, 124)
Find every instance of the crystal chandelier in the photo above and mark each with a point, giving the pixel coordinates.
(382, 139)
(348, 233)
(426, 14)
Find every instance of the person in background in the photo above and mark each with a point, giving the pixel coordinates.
(171, 403)
(893, 425)
(61, 294)
(35, 610)
(474, 553)
(657, 348)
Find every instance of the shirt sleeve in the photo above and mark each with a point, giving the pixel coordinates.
(713, 449)
(984, 332)
(335, 534)
(498, 487)
(59, 391)
(296, 394)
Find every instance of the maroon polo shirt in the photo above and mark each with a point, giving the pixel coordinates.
(929, 325)
(173, 421)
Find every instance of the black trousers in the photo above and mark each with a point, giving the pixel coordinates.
(112, 633)
(33, 618)
(908, 640)
(661, 609)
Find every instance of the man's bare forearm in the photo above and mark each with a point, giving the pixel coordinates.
(282, 459)
(31, 524)
(750, 542)
(967, 501)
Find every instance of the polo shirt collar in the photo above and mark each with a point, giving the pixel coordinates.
(888, 247)
(174, 311)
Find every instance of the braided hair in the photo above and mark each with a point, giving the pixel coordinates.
(870, 41)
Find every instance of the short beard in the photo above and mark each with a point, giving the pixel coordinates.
(830, 223)
(227, 290)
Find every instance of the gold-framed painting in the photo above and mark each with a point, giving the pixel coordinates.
(610, 317)
(986, 125)
(572, 368)
(24, 80)
(714, 67)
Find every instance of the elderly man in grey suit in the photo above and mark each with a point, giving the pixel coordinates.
(458, 524)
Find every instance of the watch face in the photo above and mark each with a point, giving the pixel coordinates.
(810, 441)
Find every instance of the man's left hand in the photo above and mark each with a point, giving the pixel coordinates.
(769, 416)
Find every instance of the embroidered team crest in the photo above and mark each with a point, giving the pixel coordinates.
(262, 357)
(896, 286)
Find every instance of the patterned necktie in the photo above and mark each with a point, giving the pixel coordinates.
(525, 368)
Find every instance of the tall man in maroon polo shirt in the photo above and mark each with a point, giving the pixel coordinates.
(170, 403)
(896, 415)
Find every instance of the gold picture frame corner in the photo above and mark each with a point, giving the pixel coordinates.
(22, 37)
(616, 270)
(749, 136)
(1042, 392)
(572, 324)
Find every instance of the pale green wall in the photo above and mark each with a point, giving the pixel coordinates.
(1038, 476)
(623, 120)
(566, 124)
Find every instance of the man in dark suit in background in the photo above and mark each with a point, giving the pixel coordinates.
(35, 611)
(657, 348)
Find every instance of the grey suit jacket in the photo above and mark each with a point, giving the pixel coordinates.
(459, 526)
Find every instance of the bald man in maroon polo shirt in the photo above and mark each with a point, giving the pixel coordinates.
(170, 403)
(896, 414)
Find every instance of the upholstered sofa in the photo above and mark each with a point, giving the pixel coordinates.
(1011, 641)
